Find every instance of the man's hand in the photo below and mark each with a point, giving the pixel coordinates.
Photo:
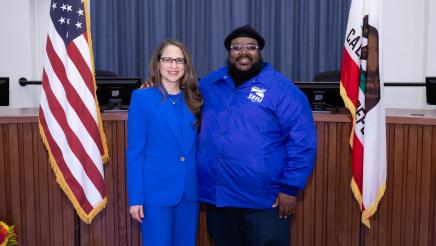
(137, 212)
(286, 203)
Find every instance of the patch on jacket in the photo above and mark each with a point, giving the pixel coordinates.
(257, 94)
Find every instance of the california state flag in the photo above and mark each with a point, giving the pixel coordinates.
(362, 92)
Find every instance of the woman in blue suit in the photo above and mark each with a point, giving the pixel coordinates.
(161, 154)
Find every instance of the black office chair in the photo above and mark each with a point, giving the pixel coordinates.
(105, 73)
(328, 76)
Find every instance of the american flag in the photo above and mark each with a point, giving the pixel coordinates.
(69, 117)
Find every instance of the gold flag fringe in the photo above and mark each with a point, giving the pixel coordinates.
(370, 211)
(87, 218)
(350, 106)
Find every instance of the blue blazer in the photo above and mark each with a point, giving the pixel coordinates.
(161, 164)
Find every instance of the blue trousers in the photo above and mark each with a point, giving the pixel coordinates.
(166, 226)
(247, 227)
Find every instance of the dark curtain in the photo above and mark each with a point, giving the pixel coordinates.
(303, 37)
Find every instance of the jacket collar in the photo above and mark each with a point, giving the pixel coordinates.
(168, 113)
(264, 77)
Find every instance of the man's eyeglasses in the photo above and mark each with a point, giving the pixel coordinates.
(240, 47)
(171, 60)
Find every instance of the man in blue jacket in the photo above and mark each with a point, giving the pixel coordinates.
(257, 146)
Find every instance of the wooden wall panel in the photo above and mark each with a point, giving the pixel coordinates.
(326, 208)
(27, 178)
(3, 176)
(45, 178)
(327, 212)
(406, 212)
(432, 211)
(14, 176)
(32, 199)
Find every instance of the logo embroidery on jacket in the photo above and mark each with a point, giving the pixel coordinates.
(256, 94)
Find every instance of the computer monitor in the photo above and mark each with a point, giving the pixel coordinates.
(322, 96)
(430, 88)
(113, 93)
(4, 91)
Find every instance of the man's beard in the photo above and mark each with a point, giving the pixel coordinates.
(240, 76)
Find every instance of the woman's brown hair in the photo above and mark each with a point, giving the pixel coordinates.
(188, 83)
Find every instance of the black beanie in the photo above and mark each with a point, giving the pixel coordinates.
(244, 31)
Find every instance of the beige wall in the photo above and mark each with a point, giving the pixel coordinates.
(409, 31)
(23, 27)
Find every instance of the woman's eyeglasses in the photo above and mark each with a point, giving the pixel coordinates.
(171, 60)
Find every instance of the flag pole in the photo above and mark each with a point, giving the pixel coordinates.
(362, 234)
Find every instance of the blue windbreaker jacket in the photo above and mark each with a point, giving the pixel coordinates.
(255, 141)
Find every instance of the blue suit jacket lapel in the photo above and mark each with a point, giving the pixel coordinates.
(188, 128)
(167, 111)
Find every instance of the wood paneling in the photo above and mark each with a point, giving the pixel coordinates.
(327, 213)
(32, 199)
(406, 213)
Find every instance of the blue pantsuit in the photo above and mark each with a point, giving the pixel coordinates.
(176, 225)
(161, 167)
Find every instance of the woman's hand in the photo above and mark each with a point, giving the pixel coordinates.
(137, 212)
